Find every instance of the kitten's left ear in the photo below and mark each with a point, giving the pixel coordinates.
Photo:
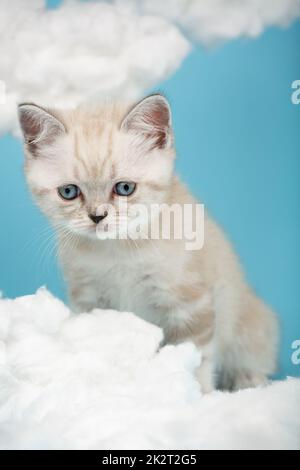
(152, 119)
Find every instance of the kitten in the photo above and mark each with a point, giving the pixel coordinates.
(81, 165)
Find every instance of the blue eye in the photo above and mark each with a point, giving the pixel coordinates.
(124, 188)
(69, 192)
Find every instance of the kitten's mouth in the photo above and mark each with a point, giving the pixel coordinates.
(96, 232)
(87, 230)
(101, 231)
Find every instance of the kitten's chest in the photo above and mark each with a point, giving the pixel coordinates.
(132, 282)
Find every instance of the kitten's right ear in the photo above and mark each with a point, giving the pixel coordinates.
(151, 118)
(39, 127)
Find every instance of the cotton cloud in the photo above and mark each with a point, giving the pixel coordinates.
(98, 381)
(212, 21)
(81, 51)
(86, 50)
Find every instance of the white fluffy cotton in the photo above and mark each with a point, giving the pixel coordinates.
(80, 51)
(213, 21)
(85, 50)
(98, 381)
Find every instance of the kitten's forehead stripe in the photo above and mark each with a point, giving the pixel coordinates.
(110, 150)
(81, 163)
(106, 156)
(93, 152)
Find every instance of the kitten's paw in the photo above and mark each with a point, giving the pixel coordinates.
(205, 377)
(244, 380)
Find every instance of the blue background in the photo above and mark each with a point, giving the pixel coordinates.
(238, 141)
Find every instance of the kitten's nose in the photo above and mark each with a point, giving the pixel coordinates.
(97, 218)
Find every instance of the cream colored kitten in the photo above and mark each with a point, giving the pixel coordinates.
(80, 165)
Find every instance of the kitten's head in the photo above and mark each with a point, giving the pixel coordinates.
(89, 168)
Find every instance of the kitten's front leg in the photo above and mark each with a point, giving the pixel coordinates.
(83, 298)
(206, 371)
(199, 330)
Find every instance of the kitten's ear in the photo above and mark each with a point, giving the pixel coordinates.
(152, 119)
(38, 125)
